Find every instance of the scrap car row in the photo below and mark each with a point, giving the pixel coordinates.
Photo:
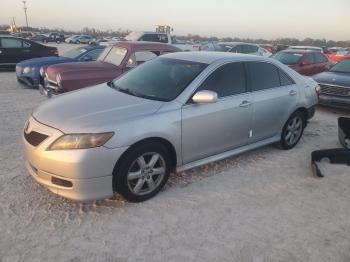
(182, 105)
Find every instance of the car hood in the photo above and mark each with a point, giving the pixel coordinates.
(94, 109)
(333, 78)
(78, 68)
(42, 61)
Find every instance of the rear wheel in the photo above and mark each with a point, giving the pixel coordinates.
(142, 172)
(293, 130)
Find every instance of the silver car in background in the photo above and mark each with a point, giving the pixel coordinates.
(173, 113)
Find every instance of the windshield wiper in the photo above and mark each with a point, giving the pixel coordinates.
(112, 85)
(126, 90)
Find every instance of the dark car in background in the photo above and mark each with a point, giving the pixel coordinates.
(14, 50)
(335, 85)
(53, 37)
(113, 61)
(28, 71)
(305, 62)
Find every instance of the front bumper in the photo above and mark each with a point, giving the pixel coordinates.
(28, 81)
(334, 101)
(83, 175)
(32, 79)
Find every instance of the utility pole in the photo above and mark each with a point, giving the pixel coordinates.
(25, 12)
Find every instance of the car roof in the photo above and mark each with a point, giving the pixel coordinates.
(209, 57)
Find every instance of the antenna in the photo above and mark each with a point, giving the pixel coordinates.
(25, 12)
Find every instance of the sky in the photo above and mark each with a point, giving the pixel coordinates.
(268, 19)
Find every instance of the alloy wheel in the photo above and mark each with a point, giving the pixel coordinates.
(294, 130)
(146, 173)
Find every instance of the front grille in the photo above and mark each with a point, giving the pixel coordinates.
(35, 138)
(335, 90)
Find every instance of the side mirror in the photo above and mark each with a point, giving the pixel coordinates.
(205, 97)
(87, 58)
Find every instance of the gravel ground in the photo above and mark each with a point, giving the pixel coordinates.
(264, 205)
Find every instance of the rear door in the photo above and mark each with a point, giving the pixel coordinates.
(210, 129)
(275, 96)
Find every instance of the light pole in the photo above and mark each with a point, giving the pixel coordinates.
(25, 12)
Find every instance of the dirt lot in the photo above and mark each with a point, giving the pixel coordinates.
(264, 205)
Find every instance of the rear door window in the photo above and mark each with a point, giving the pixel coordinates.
(310, 58)
(320, 58)
(237, 49)
(285, 79)
(227, 80)
(263, 76)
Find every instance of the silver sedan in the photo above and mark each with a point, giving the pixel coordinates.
(173, 113)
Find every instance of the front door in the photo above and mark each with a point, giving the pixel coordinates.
(210, 129)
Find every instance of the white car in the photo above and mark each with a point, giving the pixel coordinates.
(162, 38)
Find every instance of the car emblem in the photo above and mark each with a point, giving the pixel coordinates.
(26, 127)
(334, 79)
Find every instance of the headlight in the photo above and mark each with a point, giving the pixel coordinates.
(58, 80)
(318, 89)
(80, 141)
(26, 70)
(42, 72)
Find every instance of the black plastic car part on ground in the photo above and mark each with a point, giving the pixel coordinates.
(15, 49)
(337, 155)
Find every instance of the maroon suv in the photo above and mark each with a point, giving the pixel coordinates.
(112, 62)
(305, 62)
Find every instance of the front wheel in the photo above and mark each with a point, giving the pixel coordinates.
(293, 130)
(142, 172)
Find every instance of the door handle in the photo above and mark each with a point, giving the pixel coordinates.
(26, 51)
(292, 93)
(245, 103)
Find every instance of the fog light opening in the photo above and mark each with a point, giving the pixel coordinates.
(61, 182)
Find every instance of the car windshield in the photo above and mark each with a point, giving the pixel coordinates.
(114, 55)
(342, 67)
(287, 58)
(74, 53)
(161, 79)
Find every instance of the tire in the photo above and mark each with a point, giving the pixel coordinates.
(136, 183)
(293, 130)
(77, 42)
